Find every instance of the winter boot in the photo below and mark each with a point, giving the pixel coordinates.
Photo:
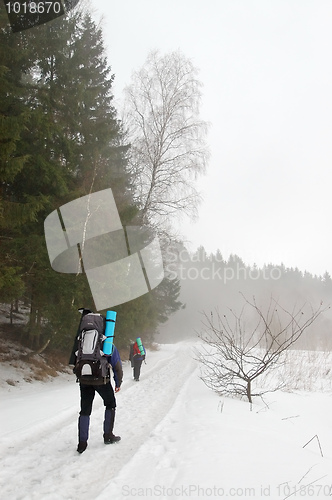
(109, 418)
(83, 432)
(82, 446)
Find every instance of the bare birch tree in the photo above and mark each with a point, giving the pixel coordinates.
(167, 136)
(239, 348)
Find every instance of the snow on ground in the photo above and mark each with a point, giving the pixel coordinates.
(179, 440)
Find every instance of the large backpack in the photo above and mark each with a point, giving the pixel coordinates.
(92, 367)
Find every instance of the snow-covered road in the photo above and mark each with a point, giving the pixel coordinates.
(38, 430)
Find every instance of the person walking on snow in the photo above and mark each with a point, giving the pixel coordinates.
(136, 357)
(106, 392)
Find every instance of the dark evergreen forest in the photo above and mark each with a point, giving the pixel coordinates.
(60, 139)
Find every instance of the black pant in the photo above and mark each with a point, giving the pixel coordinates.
(137, 367)
(88, 394)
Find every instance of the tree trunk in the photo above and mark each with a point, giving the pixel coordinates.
(34, 324)
(249, 391)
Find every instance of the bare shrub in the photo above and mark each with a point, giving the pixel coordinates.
(239, 348)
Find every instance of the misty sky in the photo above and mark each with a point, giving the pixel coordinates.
(267, 74)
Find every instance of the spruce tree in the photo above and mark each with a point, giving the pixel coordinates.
(70, 146)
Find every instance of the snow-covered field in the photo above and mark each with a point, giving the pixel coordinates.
(179, 439)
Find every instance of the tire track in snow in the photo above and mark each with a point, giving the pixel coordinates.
(49, 457)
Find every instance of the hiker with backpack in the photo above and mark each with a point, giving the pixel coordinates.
(92, 369)
(136, 357)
